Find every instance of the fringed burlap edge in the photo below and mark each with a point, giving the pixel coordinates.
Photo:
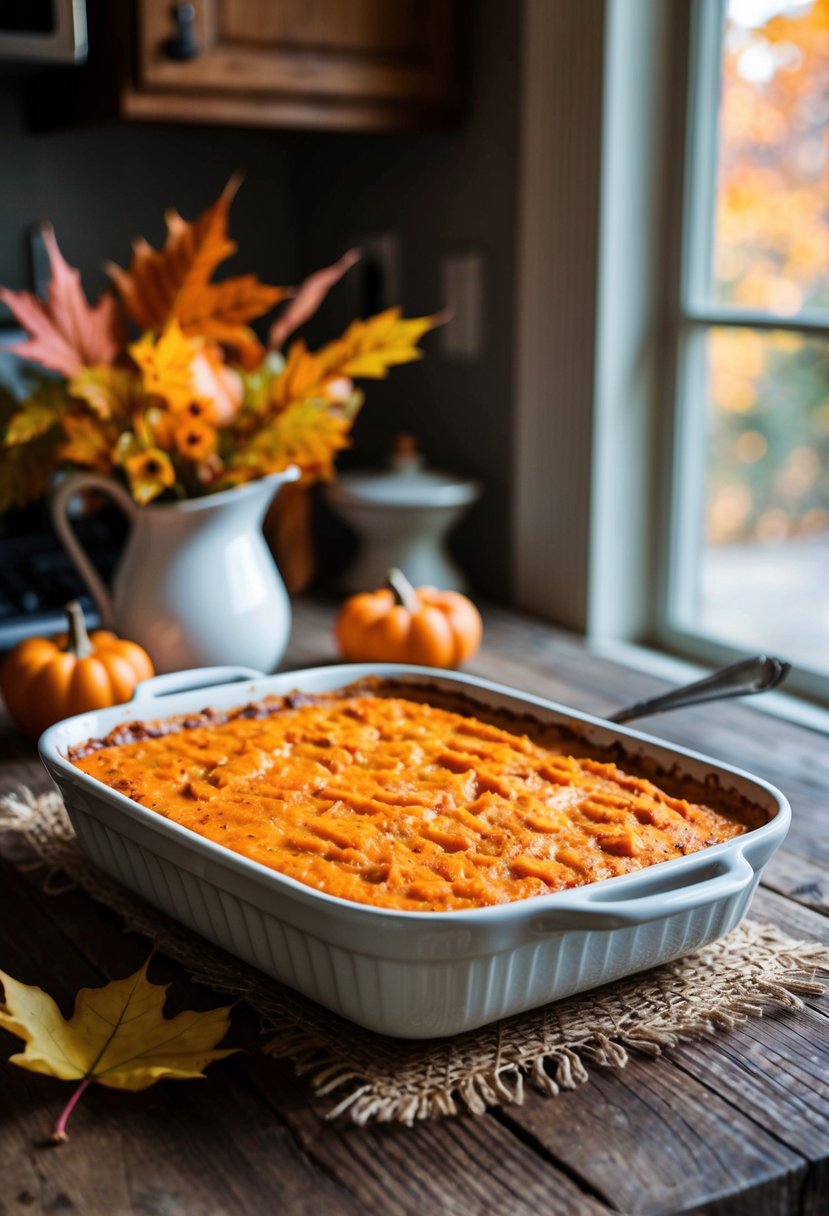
(754, 970)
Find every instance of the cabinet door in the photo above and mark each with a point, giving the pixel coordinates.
(332, 54)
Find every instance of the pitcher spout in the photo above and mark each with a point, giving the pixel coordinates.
(292, 473)
(266, 488)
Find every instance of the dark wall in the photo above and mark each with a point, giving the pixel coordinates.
(102, 185)
(439, 191)
(305, 196)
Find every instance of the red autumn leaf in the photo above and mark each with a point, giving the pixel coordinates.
(66, 333)
(308, 298)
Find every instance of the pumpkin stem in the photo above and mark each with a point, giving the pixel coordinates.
(79, 643)
(404, 592)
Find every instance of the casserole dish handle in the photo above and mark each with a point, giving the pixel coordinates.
(190, 678)
(597, 910)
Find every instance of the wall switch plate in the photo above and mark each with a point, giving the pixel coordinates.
(374, 283)
(462, 275)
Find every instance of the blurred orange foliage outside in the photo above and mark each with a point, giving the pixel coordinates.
(770, 389)
(772, 248)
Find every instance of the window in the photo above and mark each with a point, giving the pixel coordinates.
(671, 455)
(748, 550)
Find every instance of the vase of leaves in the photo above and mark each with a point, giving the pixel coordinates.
(196, 585)
(191, 423)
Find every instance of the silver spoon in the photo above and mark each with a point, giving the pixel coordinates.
(749, 676)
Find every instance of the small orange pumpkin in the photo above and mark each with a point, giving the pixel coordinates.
(399, 624)
(46, 679)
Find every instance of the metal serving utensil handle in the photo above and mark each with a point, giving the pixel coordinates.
(749, 676)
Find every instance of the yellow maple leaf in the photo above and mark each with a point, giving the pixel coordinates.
(33, 419)
(375, 345)
(25, 468)
(166, 365)
(25, 421)
(307, 433)
(367, 349)
(110, 392)
(117, 1036)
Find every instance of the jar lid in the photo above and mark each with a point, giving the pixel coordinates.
(405, 483)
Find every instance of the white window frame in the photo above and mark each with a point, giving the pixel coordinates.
(603, 374)
(597, 79)
(698, 314)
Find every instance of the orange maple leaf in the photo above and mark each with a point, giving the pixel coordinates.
(66, 333)
(174, 282)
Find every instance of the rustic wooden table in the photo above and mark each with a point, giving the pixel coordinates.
(738, 1125)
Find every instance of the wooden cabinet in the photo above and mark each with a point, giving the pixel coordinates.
(328, 64)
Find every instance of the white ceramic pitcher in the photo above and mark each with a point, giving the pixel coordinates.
(197, 584)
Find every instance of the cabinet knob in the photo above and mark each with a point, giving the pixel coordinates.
(183, 44)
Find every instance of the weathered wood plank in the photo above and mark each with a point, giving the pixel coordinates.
(192, 1155)
(732, 1126)
(408, 1169)
(178, 1149)
(464, 1166)
(776, 1071)
(75, 913)
(654, 1140)
(791, 916)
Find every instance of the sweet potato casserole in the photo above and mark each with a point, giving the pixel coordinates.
(377, 795)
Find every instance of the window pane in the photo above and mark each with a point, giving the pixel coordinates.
(772, 214)
(764, 575)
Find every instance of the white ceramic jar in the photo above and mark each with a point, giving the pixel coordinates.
(402, 516)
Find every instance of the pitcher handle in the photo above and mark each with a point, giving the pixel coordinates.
(68, 488)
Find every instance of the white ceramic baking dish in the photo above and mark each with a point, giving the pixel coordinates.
(413, 974)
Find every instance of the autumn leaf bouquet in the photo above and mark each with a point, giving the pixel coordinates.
(163, 384)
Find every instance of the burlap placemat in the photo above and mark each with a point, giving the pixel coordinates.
(365, 1076)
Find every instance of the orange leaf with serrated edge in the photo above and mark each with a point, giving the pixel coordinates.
(303, 375)
(88, 441)
(66, 333)
(174, 282)
(117, 1036)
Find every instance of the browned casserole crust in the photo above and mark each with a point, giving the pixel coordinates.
(410, 798)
